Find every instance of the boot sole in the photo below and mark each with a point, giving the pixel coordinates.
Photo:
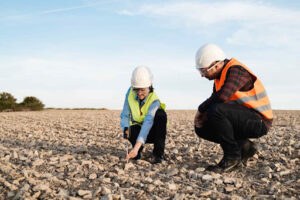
(233, 167)
(250, 154)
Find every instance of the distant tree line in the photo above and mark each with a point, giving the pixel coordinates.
(9, 103)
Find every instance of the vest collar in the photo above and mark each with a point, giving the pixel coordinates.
(226, 61)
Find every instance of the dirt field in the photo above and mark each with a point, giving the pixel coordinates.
(65, 154)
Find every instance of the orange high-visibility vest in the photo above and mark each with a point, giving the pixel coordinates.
(256, 98)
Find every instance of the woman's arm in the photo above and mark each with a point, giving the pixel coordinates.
(125, 113)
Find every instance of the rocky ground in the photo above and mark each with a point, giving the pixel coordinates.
(67, 154)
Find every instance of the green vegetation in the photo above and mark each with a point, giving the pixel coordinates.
(9, 103)
(32, 103)
(77, 108)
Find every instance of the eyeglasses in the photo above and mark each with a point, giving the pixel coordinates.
(204, 71)
(136, 90)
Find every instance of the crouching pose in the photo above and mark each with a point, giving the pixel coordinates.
(143, 118)
(238, 109)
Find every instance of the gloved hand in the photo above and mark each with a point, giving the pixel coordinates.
(126, 133)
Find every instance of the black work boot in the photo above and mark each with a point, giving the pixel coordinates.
(225, 165)
(248, 149)
(157, 159)
(212, 167)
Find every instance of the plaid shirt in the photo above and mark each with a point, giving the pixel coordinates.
(237, 79)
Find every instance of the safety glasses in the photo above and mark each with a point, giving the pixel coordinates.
(204, 71)
(137, 90)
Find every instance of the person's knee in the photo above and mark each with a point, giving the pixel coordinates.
(161, 115)
(215, 110)
(207, 134)
(134, 131)
(200, 132)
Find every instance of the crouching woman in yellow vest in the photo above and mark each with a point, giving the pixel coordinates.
(143, 118)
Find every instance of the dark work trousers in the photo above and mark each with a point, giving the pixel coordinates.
(229, 124)
(157, 134)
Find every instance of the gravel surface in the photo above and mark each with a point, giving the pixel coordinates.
(68, 154)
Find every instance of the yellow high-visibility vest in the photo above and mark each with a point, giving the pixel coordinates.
(138, 114)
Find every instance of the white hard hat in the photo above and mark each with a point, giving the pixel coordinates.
(141, 77)
(208, 54)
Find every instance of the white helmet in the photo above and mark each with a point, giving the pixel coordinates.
(208, 54)
(141, 77)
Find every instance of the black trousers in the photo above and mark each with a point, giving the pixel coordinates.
(230, 124)
(157, 134)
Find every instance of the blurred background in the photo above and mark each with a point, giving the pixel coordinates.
(81, 53)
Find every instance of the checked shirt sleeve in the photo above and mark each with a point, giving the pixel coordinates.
(237, 79)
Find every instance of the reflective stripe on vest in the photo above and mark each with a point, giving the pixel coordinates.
(138, 114)
(256, 98)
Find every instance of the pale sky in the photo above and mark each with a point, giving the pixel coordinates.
(81, 53)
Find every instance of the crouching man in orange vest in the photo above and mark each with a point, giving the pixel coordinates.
(238, 109)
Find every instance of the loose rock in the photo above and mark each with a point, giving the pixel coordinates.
(79, 154)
